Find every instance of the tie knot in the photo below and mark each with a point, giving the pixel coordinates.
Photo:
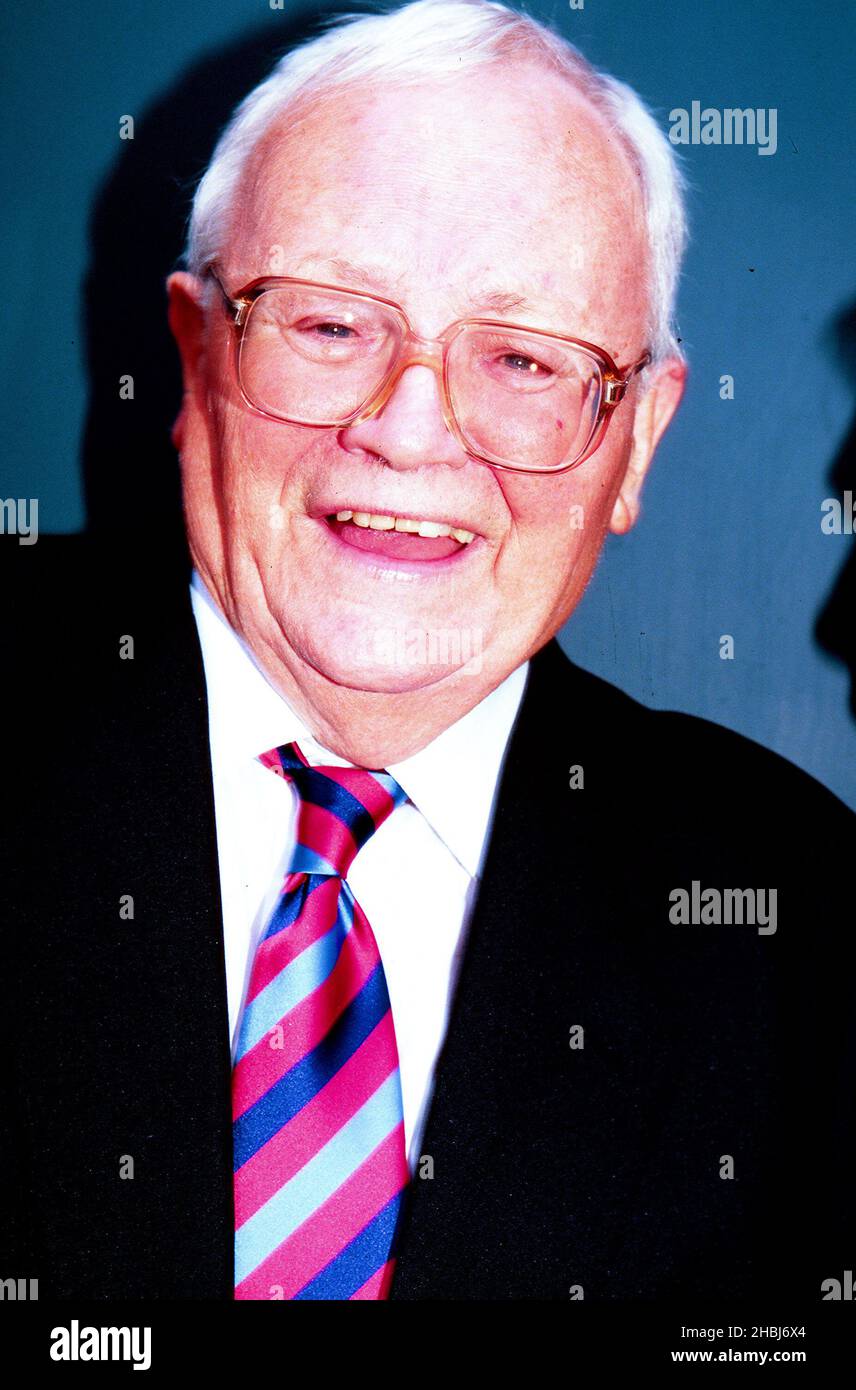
(339, 809)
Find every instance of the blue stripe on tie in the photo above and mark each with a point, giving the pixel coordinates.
(292, 985)
(361, 1258)
(289, 761)
(319, 1178)
(289, 907)
(323, 791)
(275, 1108)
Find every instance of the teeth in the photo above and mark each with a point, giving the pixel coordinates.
(376, 521)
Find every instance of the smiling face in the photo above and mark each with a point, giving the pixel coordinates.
(500, 195)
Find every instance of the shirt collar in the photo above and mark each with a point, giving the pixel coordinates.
(451, 781)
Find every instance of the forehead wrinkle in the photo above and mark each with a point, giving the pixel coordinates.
(380, 280)
(375, 278)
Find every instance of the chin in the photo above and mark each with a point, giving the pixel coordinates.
(397, 660)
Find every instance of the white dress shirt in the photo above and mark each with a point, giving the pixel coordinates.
(415, 878)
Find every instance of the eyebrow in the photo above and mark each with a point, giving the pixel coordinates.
(375, 280)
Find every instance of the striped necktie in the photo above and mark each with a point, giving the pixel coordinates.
(319, 1158)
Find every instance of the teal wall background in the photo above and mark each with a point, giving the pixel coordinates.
(730, 538)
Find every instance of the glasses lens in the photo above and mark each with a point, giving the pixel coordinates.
(520, 399)
(315, 356)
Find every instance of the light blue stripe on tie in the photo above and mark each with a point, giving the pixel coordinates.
(319, 1178)
(346, 907)
(390, 786)
(308, 861)
(298, 979)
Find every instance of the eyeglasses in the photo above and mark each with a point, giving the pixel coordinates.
(515, 398)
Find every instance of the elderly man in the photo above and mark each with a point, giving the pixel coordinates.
(531, 992)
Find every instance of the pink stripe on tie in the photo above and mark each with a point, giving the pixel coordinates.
(270, 760)
(287, 1151)
(305, 1026)
(317, 916)
(329, 1229)
(322, 831)
(379, 1284)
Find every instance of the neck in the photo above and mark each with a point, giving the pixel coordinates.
(372, 729)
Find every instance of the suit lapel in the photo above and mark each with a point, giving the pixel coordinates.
(530, 1144)
(136, 1099)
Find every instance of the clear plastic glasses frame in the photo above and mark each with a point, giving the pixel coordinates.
(612, 381)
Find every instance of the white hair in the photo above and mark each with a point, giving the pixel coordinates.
(440, 39)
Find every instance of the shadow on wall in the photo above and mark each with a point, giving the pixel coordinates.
(834, 629)
(130, 470)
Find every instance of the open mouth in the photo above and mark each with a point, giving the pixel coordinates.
(400, 537)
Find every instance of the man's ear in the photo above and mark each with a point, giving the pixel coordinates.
(187, 322)
(662, 396)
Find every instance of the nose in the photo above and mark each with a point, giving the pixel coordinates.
(409, 431)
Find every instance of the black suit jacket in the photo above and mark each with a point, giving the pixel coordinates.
(707, 1050)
